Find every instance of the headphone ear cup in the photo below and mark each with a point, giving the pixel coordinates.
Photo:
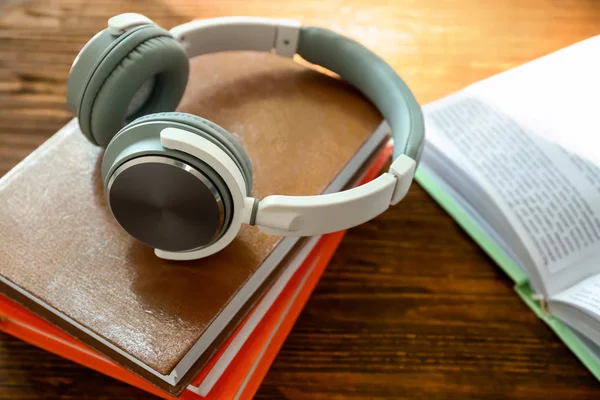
(172, 200)
(210, 131)
(148, 67)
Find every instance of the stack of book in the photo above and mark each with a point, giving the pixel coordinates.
(73, 283)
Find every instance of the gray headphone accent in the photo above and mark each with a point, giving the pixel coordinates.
(374, 78)
(252, 221)
(208, 130)
(85, 63)
(122, 65)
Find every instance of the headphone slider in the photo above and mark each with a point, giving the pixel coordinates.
(118, 24)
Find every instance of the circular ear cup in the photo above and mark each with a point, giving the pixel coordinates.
(146, 66)
(169, 199)
(210, 131)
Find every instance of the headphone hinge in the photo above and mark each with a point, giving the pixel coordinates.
(403, 168)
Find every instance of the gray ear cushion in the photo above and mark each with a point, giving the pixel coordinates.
(112, 87)
(212, 132)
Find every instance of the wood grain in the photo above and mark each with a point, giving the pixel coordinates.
(410, 308)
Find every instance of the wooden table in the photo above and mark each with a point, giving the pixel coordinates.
(415, 313)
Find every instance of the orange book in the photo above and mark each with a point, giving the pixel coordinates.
(239, 366)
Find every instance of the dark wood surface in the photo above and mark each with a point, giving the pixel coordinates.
(409, 307)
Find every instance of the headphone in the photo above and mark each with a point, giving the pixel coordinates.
(182, 184)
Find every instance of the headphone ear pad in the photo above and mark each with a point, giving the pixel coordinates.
(149, 60)
(211, 131)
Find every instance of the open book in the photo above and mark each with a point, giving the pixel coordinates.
(516, 160)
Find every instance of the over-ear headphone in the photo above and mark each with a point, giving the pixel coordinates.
(182, 184)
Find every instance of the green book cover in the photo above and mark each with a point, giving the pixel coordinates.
(522, 287)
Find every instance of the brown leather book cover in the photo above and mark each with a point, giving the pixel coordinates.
(61, 247)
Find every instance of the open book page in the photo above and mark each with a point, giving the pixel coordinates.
(579, 307)
(475, 203)
(530, 139)
(585, 295)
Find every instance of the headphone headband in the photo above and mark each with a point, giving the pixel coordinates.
(193, 137)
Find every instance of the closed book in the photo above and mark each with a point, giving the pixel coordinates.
(64, 257)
